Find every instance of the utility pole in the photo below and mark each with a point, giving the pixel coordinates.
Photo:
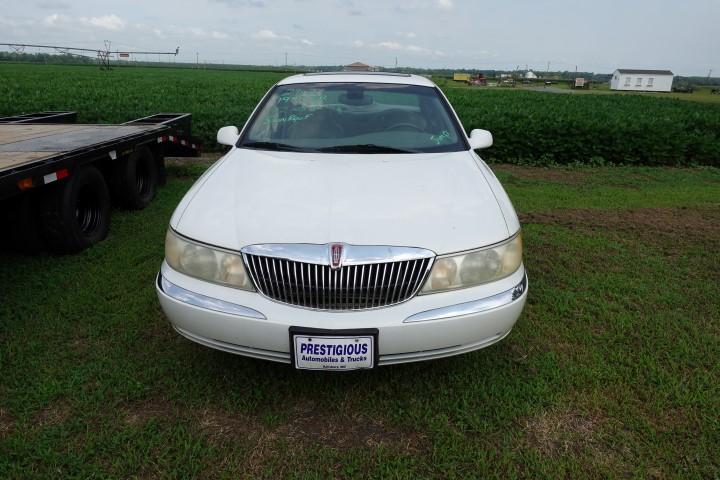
(285, 60)
(548, 68)
(197, 59)
(395, 63)
(709, 74)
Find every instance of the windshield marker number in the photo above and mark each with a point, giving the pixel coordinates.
(438, 139)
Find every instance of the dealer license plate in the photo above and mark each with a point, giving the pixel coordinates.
(333, 352)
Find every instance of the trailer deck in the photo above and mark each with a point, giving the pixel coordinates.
(35, 145)
(21, 144)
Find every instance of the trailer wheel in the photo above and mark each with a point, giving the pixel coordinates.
(75, 214)
(135, 179)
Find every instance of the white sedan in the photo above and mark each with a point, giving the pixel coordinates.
(350, 225)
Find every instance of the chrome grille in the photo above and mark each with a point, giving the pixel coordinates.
(350, 287)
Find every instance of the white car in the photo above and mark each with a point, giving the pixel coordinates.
(351, 225)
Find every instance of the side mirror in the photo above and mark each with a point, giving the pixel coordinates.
(228, 136)
(480, 139)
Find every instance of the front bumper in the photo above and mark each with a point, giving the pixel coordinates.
(423, 328)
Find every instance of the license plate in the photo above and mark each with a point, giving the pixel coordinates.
(329, 351)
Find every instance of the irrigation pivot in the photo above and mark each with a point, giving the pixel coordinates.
(103, 55)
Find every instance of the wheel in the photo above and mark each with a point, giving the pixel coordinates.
(75, 214)
(135, 179)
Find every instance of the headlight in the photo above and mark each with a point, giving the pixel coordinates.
(474, 268)
(206, 263)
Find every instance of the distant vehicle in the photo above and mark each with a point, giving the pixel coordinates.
(683, 87)
(351, 225)
(57, 177)
(480, 80)
(506, 80)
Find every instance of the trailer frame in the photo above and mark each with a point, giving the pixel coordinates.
(172, 132)
(41, 154)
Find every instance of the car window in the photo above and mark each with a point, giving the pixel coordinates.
(354, 118)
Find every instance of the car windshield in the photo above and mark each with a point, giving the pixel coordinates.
(354, 118)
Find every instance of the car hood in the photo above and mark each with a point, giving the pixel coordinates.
(441, 202)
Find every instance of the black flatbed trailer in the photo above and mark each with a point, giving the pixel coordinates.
(46, 159)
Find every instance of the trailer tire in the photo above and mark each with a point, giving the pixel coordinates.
(75, 214)
(135, 179)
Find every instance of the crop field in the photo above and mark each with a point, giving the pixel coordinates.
(612, 370)
(529, 127)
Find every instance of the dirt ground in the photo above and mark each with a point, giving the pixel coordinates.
(661, 227)
(567, 176)
(206, 158)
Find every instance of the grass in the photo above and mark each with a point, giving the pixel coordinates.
(612, 370)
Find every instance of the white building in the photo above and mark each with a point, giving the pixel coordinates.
(530, 75)
(642, 80)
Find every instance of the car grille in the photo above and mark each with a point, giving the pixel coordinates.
(350, 287)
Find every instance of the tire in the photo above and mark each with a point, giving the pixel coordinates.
(75, 214)
(135, 179)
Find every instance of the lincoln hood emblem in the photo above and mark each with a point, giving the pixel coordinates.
(336, 253)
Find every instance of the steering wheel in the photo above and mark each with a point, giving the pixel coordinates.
(404, 126)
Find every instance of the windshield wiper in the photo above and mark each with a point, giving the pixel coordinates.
(363, 148)
(284, 147)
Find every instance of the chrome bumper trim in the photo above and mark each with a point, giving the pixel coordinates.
(468, 308)
(440, 352)
(198, 300)
(259, 353)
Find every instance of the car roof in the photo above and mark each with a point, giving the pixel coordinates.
(358, 77)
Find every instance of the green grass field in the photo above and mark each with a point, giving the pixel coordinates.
(529, 127)
(612, 370)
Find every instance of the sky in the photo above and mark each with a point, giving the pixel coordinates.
(683, 36)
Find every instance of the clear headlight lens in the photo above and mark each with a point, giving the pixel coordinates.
(206, 263)
(476, 267)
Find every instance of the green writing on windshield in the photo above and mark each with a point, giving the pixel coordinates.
(438, 139)
(302, 97)
(292, 118)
